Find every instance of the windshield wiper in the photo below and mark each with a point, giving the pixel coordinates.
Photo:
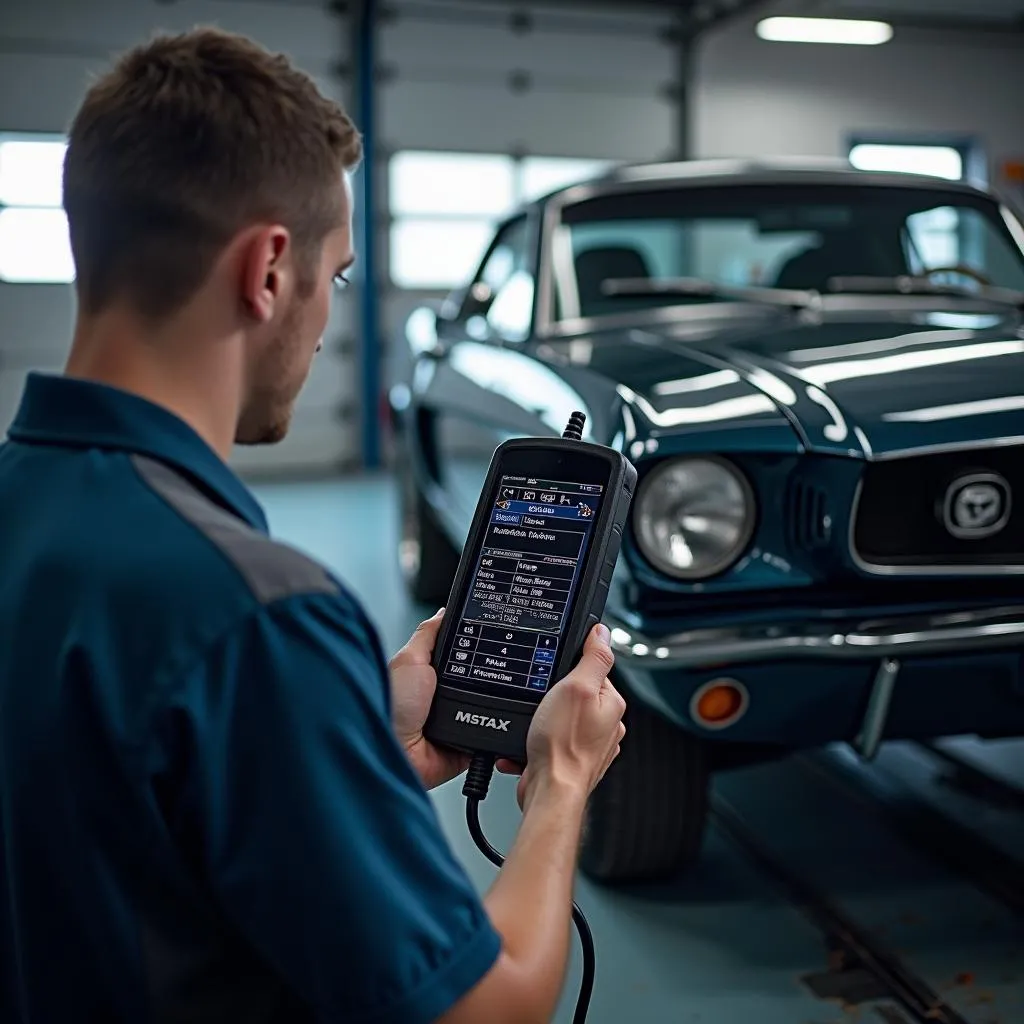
(698, 288)
(920, 285)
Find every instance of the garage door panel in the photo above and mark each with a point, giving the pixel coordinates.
(624, 18)
(543, 121)
(56, 83)
(37, 322)
(417, 48)
(305, 30)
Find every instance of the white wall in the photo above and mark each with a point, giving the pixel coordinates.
(48, 51)
(758, 98)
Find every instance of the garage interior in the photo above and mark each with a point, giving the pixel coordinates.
(468, 108)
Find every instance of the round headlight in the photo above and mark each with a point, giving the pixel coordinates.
(693, 517)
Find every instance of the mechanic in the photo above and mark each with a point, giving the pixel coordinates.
(213, 786)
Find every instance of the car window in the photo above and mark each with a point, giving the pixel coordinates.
(726, 250)
(500, 299)
(948, 236)
(782, 236)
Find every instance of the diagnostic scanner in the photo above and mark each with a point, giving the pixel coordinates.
(532, 582)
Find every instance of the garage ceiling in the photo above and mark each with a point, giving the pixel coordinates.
(999, 15)
(954, 13)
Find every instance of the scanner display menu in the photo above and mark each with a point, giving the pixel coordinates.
(523, 584)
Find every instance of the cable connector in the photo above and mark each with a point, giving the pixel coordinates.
(478, 777)
(474, 789)
(574, 428)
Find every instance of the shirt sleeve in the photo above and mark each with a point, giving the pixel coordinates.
(315, 833)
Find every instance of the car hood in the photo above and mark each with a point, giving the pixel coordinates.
(853, 387)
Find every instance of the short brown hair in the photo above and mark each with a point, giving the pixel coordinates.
(184, 142)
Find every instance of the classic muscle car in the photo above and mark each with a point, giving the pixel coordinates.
(819, 375)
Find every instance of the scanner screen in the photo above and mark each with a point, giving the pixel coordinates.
(520, 594)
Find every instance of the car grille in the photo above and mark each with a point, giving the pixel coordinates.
(808, 523)
(961, 511)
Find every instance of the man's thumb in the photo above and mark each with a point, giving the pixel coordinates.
(598, 659)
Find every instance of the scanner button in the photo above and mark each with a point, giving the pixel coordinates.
(600, 596)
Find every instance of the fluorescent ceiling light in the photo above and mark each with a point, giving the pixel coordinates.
(824, 30)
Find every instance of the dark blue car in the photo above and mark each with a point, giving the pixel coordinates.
(819, 375)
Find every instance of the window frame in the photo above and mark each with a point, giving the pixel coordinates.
(463, 295)
(521, 202)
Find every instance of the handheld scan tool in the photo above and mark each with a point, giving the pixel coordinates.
(531, 584)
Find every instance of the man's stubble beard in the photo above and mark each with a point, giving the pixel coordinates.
(268, 410)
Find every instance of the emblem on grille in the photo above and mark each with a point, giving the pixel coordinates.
(976, 506)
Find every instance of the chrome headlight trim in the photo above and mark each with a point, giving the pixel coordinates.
(728, 558)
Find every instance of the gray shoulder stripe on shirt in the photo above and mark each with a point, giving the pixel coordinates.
(273, 570)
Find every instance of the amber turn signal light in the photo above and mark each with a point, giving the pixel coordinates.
(719, 703)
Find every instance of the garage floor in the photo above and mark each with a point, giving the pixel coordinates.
(829, 893)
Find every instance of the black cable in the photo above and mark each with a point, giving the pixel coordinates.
(474, 789)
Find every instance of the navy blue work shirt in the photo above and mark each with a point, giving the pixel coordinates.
(205, 815)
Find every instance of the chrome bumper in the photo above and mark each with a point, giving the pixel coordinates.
(904, 636)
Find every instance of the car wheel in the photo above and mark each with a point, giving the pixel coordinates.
(427, 558)
(646, 818)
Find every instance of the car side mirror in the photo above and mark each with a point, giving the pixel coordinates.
(424, 330)
(477, 301)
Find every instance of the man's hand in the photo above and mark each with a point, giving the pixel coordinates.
(413, 682)
(577, 728)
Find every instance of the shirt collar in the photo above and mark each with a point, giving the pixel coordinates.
(68, 411)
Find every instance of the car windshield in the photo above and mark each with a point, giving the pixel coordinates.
(793, 237)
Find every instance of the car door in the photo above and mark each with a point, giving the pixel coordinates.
(476, 392)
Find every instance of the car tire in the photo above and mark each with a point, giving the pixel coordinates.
(427, 559)
(646, 819)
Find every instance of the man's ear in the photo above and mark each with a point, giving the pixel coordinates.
(264, 254)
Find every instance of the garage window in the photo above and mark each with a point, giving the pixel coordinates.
(445, 208)
(539, 175)
(34, 243)
(936, 238)
(941, 161)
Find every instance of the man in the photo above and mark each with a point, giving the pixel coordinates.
(212, 785)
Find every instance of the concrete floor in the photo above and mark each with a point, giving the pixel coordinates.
(726, 945)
